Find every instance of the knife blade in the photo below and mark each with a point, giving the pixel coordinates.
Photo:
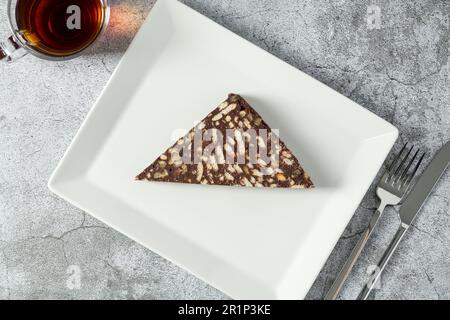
(424, 185)
(410, 208)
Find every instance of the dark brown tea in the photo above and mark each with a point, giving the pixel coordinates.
(60, 27)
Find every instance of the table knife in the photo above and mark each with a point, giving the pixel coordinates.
(410, 207)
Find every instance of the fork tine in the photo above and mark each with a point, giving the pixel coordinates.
(405, 171)
(413, 173)
(402, 164)
(394, 162)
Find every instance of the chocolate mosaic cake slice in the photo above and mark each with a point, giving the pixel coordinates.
(232, 146)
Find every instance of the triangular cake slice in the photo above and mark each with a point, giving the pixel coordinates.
(232, 146)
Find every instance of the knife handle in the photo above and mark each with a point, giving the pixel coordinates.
(383, 262)
(351, 260)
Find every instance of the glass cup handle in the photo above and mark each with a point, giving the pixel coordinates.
(11, 50)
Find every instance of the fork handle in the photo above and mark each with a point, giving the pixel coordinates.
(356, 252)
(383, 262)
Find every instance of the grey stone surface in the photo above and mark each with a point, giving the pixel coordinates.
(398, 69)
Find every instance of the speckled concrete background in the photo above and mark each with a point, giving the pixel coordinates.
(396, 66)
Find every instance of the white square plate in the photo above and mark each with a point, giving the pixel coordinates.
(249, 243)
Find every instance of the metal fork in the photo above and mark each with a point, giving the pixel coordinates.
(390, 190)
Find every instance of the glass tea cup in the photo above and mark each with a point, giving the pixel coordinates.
(53, 29)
